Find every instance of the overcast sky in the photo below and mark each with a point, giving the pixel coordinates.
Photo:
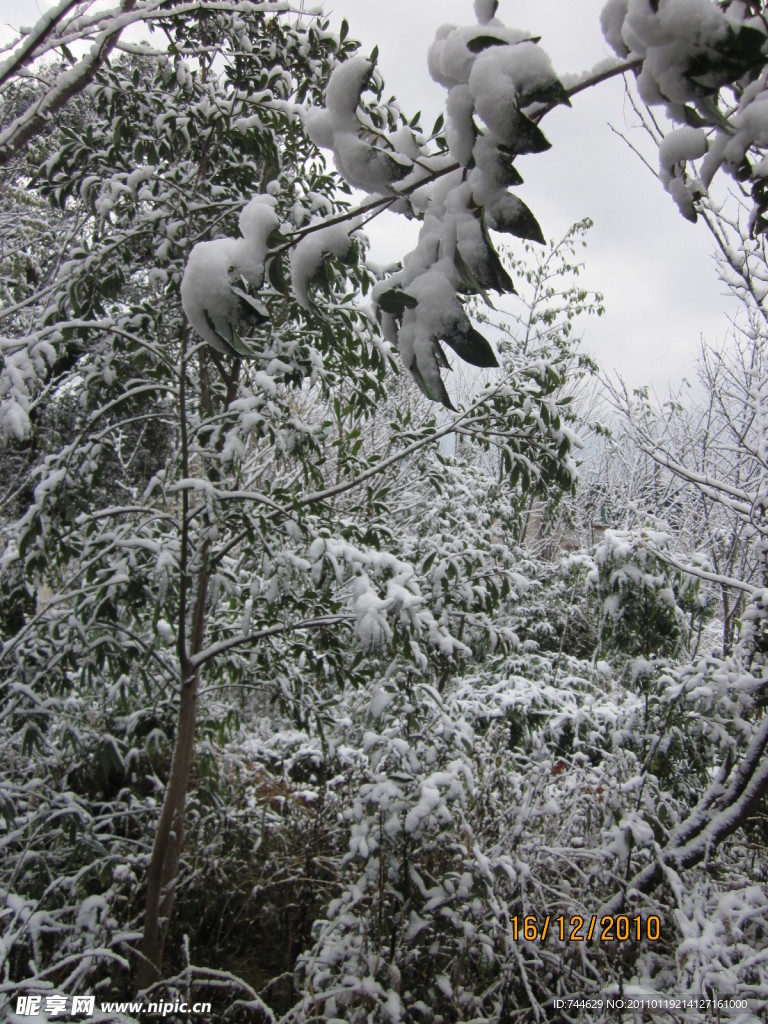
(654, 268)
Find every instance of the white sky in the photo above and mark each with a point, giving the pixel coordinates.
(654, 268)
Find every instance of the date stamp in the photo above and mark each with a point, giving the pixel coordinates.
(650, 1002)
(608, 928)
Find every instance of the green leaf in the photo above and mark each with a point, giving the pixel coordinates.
(252, 310)
(468, 277)
(552, 94)
(473, 348)
(511, 216)
(227, 342)
(396, 301)
(440, 357)
(750, 45)
(527, 137)
(693, 119)
(32, 740)
(109, 757)
(240, 347)
(489, 270)
(741, 53)
(507, 172)
(434, 394)
(276, 274)
(744, 170)
(480, 43)
(396, 168)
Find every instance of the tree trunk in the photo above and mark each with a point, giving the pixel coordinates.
(163, 870)
(166, 851)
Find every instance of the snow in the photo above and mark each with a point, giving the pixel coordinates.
(495, 96)
(307, 256)
(450, 59)
(460, 128)
(526, 65)
(164, 631)
(485, 10)
(14, 420)
(91, 911)
(680, 145)
(700, 21)
(669, 38)
(206, 291)
(379, 701)
(371, 626)
(207, 298)
(258, 219)
(338, 127)
(612, 18)
(343, 93)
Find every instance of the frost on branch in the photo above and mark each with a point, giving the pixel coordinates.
(639, 599)
(385, 596)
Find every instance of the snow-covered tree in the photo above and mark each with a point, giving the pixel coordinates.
(202, 285)
(260, 546)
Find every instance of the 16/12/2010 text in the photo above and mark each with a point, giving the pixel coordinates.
(609, 928)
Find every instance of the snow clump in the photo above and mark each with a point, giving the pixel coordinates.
(211, 303)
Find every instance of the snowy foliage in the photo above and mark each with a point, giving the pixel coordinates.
(705, 63)
(303, 712)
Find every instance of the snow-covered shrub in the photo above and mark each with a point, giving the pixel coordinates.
(526, 794)
(420, 926)
(638, 598)
(264, 551)
(555, 614)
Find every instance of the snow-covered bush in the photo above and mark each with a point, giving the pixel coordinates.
(525, 795)
(639, 599)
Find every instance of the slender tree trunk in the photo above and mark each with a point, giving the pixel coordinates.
(732, 614)
(169, 838)
(166, 851)
(163, 870)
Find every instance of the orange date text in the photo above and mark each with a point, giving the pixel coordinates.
(609, 928)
